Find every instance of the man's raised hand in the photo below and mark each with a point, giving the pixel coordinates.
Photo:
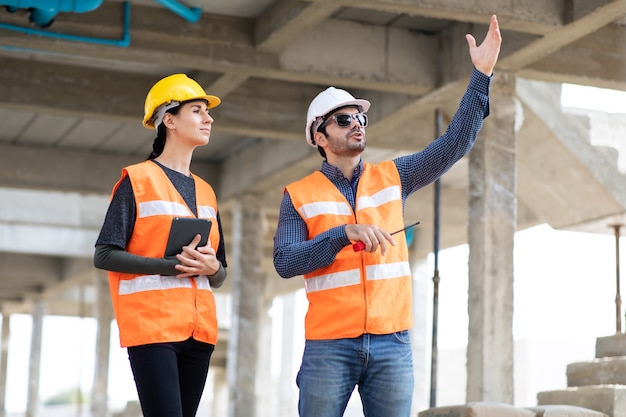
(485, 56)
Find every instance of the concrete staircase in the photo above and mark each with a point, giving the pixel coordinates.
(584, 189)
(598, 384)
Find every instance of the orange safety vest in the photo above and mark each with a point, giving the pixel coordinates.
(360, 292)
(157, 308)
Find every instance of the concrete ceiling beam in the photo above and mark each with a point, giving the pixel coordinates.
(599, 58)
(534, 16)
(287, 20)
(564, 35)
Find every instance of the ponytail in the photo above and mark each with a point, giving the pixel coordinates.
(159, 142)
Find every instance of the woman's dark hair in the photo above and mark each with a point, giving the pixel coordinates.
(159, 141)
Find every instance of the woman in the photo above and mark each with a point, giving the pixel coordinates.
(164, 306)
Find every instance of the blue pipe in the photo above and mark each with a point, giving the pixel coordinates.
(43, 12)
(76, 6)
(124, 42)
(42, 17)
(191, 14)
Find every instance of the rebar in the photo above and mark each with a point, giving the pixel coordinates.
(618, 298)
(436, 227)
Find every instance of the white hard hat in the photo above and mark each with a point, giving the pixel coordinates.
(328, 100)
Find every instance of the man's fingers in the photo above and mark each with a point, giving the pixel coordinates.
(494, 30)
(470, 41)
(494, 22)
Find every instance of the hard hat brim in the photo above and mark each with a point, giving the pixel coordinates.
(213, 101)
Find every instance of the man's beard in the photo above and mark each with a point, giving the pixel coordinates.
(348, 147)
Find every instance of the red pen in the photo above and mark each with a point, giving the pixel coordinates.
(359, 246)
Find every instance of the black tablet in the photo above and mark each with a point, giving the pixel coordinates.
(183, 230)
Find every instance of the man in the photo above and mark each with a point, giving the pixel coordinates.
(360, 311)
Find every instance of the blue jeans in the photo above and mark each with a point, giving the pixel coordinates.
(381, 365)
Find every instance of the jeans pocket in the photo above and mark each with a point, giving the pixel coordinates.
(403, 336)
(298, 378)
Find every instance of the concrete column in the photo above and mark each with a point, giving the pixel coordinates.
(492, 224)
(287, 394)
(219, 406)
(4, 356)
(421, 333)
(265, 385)
(34, 365)
(247, 293)
(104, 311)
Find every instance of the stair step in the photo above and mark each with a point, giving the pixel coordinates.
(610, 370)
(614, 345)
(609, 399)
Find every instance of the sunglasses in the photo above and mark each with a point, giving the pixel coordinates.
(345, 120)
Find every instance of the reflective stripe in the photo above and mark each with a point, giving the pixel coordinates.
(152, 282)
(385, 195)
(206, 212)
(325, 207)
(161, 282)
(162, 207)
(388, 271)
(203, 283)
(353, 276)
(330, 281)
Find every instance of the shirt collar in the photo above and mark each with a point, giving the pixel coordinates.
(332, 172)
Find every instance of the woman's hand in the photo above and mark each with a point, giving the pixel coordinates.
(196, 261)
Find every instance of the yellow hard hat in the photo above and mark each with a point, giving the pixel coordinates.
(174, 88)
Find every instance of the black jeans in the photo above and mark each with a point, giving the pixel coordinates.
(170, 377)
